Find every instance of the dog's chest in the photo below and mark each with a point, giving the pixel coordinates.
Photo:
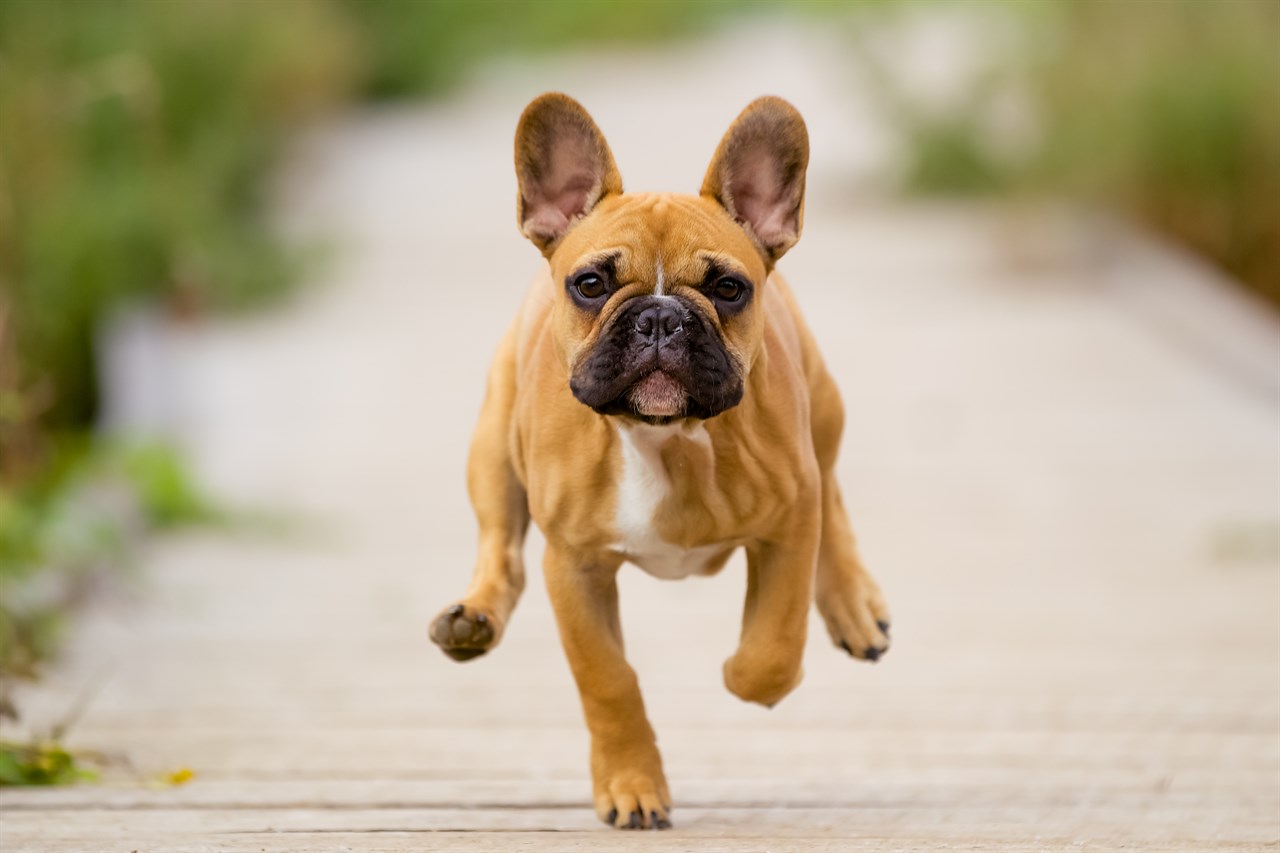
(645, 484)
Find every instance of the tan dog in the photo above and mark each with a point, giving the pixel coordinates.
(660, 401)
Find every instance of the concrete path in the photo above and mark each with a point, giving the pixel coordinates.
(1063, 459)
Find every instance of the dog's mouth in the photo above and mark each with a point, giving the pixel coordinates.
(658, 395)
(659, 398)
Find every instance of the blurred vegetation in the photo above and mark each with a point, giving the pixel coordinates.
(1168, 110)
(135, 139)
(41, 763)
(134, 142)
(61, 533)
(424, 46)
(46, 760)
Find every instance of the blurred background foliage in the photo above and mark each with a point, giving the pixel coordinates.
(1166, 110)
(1170, 111)
(134, 142)
(137, 136)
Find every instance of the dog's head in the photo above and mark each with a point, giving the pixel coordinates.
(657, 313)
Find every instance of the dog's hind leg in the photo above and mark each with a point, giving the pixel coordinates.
(847, 596)
(473, 625)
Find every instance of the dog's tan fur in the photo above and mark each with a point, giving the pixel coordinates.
(761, 477)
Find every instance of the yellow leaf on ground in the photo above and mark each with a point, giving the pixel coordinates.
(181, 776)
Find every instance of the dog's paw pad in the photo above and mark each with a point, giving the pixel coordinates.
(463, 632)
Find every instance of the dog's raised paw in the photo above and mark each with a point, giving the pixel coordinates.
(856, 618)
(463, 632)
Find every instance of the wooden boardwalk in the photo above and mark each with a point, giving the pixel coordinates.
(1063, 459)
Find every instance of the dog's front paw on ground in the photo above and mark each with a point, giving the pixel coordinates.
(463, 632)
(634, 797)
(857, 619)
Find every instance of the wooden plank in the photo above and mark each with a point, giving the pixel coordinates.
(1084, 822)
(962, 787)
(574, 842)
(464, 753)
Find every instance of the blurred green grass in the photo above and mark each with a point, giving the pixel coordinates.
(134, 141)
(41, 762)
(416, 47)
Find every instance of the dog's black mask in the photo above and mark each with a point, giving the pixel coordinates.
(666, 333)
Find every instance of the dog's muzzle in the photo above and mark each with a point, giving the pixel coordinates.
(657, 359)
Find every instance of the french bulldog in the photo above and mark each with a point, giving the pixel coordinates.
(660, 401)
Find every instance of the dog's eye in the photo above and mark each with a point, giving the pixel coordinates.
(589, 286)
(728, 290)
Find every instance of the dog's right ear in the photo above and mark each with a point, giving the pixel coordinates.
(564, 167)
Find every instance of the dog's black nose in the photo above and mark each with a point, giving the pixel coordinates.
(660, 322)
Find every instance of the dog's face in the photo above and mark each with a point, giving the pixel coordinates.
(657, 311)
(657, 316)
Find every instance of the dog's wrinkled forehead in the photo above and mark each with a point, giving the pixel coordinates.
(659, 240)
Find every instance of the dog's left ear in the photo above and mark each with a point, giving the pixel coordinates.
(564, 168)
(757, 174)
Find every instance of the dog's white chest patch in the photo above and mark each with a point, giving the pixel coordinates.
(643, 487)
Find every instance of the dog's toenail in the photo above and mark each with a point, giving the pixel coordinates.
(845, 645)
(456, 610)
(883, 626)
(662, 823)
(872, 654)
(613, 815)
(481, 619)
(636, 821)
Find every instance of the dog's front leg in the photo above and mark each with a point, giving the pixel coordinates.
(474, 625)
(630, 790)
(767, 665)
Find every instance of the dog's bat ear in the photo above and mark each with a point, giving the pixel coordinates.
(757, 174)
(564, 168)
